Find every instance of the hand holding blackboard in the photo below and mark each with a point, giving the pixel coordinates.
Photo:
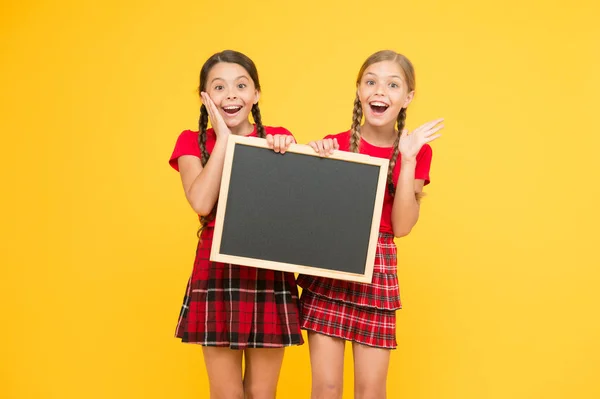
(280, 143)
(325, 147)
(299, 212)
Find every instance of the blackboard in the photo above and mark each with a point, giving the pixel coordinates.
(299, 212)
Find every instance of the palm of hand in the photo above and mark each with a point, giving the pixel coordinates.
(410, 144)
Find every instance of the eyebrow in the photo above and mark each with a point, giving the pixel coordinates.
(391, 76)
(238, 78)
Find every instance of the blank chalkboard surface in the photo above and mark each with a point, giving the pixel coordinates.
(299, 212)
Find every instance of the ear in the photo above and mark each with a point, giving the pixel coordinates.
(409, 98)
(256, 96)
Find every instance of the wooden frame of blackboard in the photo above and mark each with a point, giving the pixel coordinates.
(217, 256)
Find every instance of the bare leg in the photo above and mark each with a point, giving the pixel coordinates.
(262, 372)
(224, 367)
(370, 371)
(327, 365)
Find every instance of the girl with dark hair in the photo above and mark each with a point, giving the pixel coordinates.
(232, 310)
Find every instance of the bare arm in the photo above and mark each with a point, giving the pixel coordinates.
(405, 210)
(202, 185)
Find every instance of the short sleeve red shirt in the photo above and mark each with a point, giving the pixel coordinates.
(421, 171)
(187, 144)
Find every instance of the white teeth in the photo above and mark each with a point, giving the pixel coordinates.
(232, 107)
(379, 104)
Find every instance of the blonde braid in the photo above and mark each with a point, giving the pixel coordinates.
(355, 130)
(390, 177)
(409, 74)
(394, 157)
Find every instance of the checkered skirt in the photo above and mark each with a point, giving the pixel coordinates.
(237, 306)
(364, 313)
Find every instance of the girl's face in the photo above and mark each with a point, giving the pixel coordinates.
(383, 92)
(232, 90)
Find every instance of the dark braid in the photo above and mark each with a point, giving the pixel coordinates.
(260, 129)
(390, 177)
(205, 220)
(202, 124)
(204, 155)
(234, 57)
(355, 130)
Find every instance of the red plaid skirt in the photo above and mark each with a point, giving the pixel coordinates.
(364, 313)
(238, 306)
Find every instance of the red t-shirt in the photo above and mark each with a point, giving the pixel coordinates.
(187, 144)
(421, 170)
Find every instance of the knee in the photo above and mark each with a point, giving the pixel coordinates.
(256, 391)
(227, 393)
(369, 390)
(332, 390)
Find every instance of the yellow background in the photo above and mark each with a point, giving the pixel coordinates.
(499, 278)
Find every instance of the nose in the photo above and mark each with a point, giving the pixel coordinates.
(379, 90)
(231, 94)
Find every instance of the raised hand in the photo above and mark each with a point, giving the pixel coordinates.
(410, 143)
